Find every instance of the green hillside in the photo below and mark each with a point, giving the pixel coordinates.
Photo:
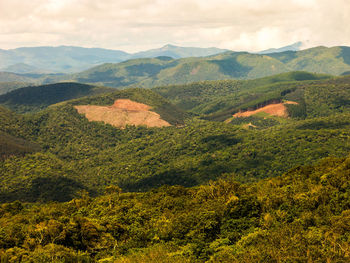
(316, 98)
(138, 158)
(229, 65)
(317, 95)
(210, 96)
(125, 73)
(302, 216)
(34, 98)
(189, 153)
(334, 60)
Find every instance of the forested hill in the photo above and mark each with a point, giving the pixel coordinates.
(229, 65)
(208, 97)
(72, 150)
(316, 95)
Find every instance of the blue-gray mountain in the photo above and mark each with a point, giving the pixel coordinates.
(293, 47)
(70, 59)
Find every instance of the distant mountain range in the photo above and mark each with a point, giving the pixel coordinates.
(165, 70)
(294, 47)
(160, 71)
(179, 52)
(69, 59)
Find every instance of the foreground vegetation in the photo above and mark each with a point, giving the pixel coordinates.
(302, 216)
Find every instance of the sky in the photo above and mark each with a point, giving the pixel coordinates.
(135, 25)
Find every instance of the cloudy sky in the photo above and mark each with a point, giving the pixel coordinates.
(134, 25)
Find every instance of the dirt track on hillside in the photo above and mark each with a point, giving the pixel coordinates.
(123, 112)
(276, 109)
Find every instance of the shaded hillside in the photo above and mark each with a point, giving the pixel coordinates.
(15, 144)
(302, 216)
(36, 98)
(10, 146)
(9, 86)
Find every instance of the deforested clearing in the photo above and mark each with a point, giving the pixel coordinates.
(275, 109)
(123, 112)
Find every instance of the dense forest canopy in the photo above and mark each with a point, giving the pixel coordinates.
(211, 187)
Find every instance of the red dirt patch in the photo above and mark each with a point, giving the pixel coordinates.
(130, 105)
(123, 112)
(276, 109)
(195, 70)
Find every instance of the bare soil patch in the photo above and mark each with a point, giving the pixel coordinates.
(195, 70)
(275, 109)
(123, 112)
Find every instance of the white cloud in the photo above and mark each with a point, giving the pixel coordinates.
(140, 24)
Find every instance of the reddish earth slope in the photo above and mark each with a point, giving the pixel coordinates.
(276, 109)
(123, 112)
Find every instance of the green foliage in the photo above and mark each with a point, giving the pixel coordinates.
(94, 155)
(300, 216)
(220, 99)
